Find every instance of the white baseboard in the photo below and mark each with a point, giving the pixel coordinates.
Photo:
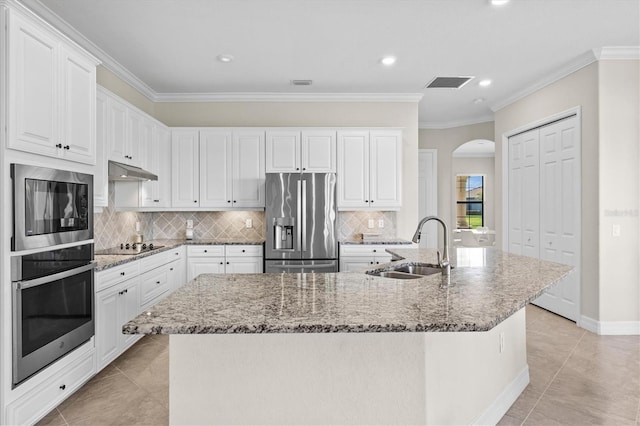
(610, 328)
(505, 400)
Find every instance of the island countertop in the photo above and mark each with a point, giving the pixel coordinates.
(486, 286)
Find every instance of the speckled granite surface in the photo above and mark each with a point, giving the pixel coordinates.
(110, 261)
(485, 287)
(390, 241)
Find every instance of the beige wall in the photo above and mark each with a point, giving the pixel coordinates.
(321, 114)
(619, 180)
(476, 166)
(446, 141)
(608, 94)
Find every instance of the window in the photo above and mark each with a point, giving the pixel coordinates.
(469, 201)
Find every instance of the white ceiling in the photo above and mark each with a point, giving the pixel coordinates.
(171, 45)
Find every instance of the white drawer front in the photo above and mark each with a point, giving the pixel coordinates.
(116, 275)
(175, 254)
(241, 251)
(205, 251)
(152, 285)
(34, 405)
(155, 260)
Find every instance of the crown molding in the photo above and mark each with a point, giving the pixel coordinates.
(108, 62)
(287, 97)
(559, 73)
(450, 124)
(617, 53)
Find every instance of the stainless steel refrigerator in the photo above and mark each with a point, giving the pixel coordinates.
(301, 222)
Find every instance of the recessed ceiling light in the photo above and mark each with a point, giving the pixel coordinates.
(388, 60)
(499, 2)
(485, 82)
(478, 100)
(225, 58)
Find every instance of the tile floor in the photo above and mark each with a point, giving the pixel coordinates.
(577, 378)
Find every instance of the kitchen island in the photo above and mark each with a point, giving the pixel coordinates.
(352, 348)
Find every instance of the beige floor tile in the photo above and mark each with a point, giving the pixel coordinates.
(551, 411)
(54, 418)
(523, 405)
(507, 420)
(147, 412)
(99, 402)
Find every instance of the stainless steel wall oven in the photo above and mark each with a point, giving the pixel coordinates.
(50, 207)
(52, 304)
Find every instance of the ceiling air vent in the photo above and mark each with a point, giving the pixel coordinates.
(301, 82)
(448, 82)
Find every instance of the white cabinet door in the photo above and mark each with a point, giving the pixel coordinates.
(118, 132)
(353, 169)
(107, 335)
(185, 180)
(318, 151)
(215, 156)
(33, 114)
(248, 168)
(211, 265)
(157, 161)
(385, 170)
(243, 265)
(136, 138)
(355, 264)
(100, 178)
(78, 97)
(129, 308)
(283, 151)
(154, 285)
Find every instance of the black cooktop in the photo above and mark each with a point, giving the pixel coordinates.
(129, 248)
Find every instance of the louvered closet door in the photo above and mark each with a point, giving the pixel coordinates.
(560, 212)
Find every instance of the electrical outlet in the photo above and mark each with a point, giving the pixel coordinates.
(615, 230)
(248, 223)
(380, 223)
(189, 223)
(501, 342)
(370, 224)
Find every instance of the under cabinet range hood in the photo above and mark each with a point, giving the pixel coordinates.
(119, 171)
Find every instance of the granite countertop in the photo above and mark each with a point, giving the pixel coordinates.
(389, 241)
(109, 261)
(486, 286)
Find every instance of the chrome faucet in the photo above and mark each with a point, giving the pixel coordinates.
(443, 262)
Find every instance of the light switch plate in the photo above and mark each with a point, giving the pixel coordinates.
(189, 223)
(371, 224)
(380, 223)
(248, 223)
(615, 230)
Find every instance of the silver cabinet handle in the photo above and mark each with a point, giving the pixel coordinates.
(304, 216)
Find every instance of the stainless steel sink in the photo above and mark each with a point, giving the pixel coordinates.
(411, 271)
(397, 275)
(420, 269)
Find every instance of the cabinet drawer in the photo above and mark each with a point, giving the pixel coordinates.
(155, 260)
(244, 251)
(175, 254)
(116, 275)
(365, 250)
(205, 251)
(152, 285)
(34, 405)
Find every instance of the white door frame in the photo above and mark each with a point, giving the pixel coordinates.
(577, 111)
(428, 206)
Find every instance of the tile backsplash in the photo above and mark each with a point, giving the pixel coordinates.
(112, 228)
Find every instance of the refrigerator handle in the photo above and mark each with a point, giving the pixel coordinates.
(299, 214)
(304, 213)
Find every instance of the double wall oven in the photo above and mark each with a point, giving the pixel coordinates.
(52, 266)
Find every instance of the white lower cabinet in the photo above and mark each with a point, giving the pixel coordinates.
(114, 307)
(359, 258)
(34, 404)
(220, 259)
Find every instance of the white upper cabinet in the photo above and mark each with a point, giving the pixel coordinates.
(52, 93)
(218, 168)
(369, 170)
(128, 138)
(185, 176)
(310, 151)
(157, 161)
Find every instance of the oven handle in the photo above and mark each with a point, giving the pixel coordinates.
(21, 285)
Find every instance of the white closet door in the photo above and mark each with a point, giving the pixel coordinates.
(560, 212)
(524, 194)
